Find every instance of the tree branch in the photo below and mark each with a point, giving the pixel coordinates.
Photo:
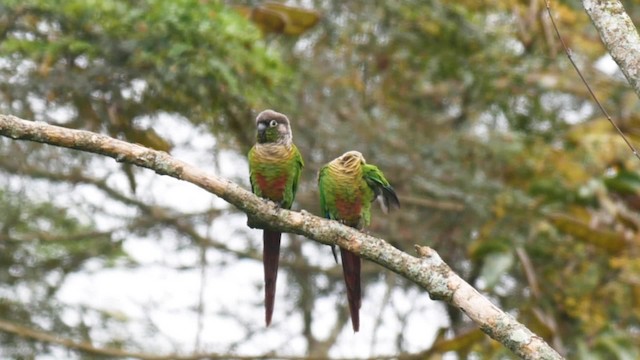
(428, 270)
(619, 35)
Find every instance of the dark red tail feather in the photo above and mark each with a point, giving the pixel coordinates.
(270, 259)
(351, 271)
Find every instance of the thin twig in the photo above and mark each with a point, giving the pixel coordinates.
(529, 271)
(201, 291)
(593, 95)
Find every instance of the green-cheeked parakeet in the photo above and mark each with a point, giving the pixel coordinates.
(275, 165)
(348, 186)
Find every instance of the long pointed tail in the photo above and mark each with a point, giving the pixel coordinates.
(351, 271)
(270, 259)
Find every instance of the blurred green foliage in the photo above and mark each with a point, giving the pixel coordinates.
(111, 62)
(502, 162)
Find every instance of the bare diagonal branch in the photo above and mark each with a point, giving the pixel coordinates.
(428, 270)
(619, 35)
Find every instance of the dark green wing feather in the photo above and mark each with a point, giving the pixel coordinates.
(380, 186)
(322, 190)
(297, 171)
(250, 156)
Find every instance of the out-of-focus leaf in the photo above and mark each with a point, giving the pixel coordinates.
(610, 241)
(612, 344)
(584, 353)
(599, 140)
(148, 138)
(619, 347)
(269, 21)
(624, 182)
(297, 19)
(552, 190)
(482, 247)
(273, 17)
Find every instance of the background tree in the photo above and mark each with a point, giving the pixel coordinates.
(502, 164)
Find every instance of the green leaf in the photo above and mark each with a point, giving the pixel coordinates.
(624, 181)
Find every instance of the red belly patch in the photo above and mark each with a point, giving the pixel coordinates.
(272, 188)
(349, 210)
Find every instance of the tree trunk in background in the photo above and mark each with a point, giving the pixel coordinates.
(619, 35)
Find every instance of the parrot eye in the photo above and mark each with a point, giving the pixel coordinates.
(273, 123)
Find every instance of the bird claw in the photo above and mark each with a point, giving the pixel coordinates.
(279, 205)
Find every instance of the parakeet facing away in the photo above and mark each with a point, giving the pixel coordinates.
(348, 186)
(275, 165)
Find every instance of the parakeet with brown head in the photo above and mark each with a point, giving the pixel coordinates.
(275, 165)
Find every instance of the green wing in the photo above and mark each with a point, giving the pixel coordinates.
(378, 183)
(297, 169)
(250, 157)
(321, 188)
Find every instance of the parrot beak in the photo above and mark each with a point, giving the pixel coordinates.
(262, 127)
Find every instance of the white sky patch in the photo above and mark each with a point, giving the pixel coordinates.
(579, 115)
(135, 90)
(168, 297)
(81, 61)
(607, 65)
(61, 114)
